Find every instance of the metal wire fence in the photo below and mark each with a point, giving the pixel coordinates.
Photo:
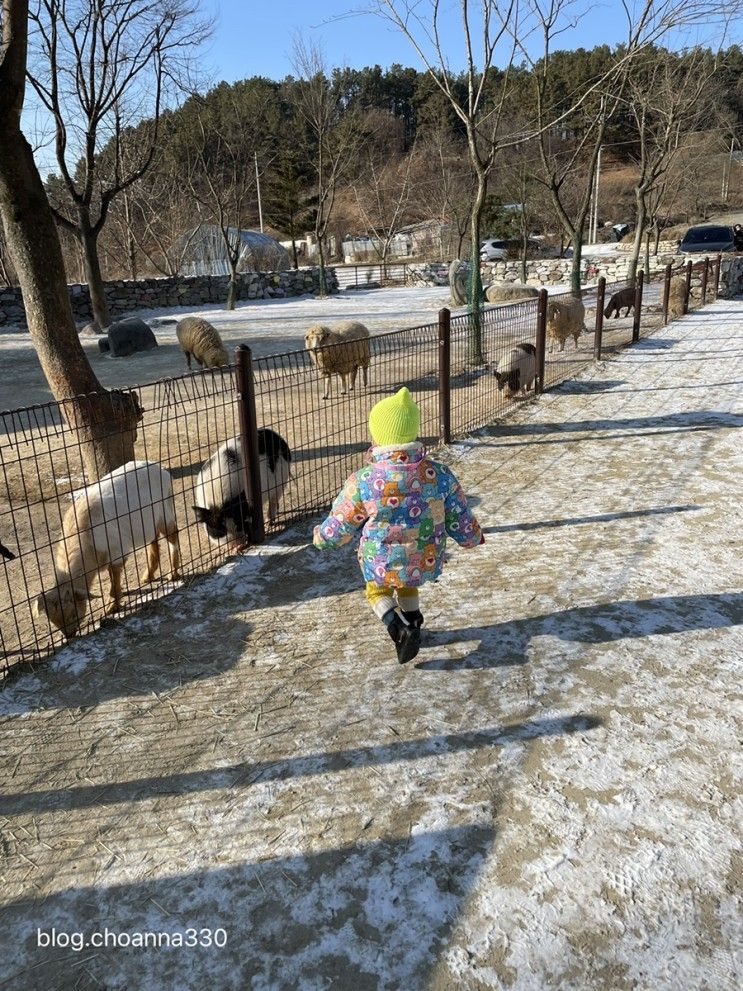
(457, 370)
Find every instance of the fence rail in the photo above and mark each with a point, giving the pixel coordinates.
(448, 366)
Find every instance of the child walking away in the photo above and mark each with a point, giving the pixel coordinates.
(406, 503)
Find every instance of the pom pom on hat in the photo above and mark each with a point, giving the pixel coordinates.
(395, 420)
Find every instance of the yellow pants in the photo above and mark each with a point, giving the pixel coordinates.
(381, 598)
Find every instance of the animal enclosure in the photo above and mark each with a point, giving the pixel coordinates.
(186, 419)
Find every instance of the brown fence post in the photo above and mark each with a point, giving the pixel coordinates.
(705, 276)
(249, 441)
(667, 291)
(718, 264)
(638, 306)
(445, 376)
(600, 296)
(541, 340)
(687, 294)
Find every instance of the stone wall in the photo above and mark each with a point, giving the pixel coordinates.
(151, 294)
(731, 276)
(556, 271)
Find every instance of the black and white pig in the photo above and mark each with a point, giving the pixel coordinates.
(222, 504)
(515, 370)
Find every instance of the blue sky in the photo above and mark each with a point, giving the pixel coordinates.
(254, 37)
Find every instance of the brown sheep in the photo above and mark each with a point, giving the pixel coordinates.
(565, 318)
(197, 337)
(340, 350)
(624, 298)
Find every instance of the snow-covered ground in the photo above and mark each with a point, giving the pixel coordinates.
(267, 326)
(549, 797)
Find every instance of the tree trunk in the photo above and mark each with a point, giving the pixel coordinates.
(474, 342)
(89, 243)
(637, 243)
(106, 423)
(232, 287)
(321, 260)
(295, 261)
(575, 283)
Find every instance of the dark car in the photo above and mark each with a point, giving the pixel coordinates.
(708, 239)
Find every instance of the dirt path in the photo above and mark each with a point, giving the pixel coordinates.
(546, 799)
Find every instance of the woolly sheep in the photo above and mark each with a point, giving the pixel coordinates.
(350, 351)
(197, 337)
(624, 298)
(130, 507)
(676, 297)
(565, 318)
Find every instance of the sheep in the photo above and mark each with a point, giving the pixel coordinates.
(624, 298)
(221, 502)
(128, 508)
(350, 351)
(565, 318)
(676, 297)
(197, 337)
(516, 369)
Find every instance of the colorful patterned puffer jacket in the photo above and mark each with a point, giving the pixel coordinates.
(407, 504)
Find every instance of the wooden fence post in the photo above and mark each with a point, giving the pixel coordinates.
(249, 442)
(541, 340)
(445, 376)
(705, 276)
(687, 294)
(600, 296)
(667, 291)
(717, 275)
(638, 306)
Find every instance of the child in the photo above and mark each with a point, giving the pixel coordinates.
(407, 504)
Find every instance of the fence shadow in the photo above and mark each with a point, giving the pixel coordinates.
(289, 922)
(508, 643)
(581, 520)
(241, 776)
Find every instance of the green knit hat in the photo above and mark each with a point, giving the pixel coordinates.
(395, 420)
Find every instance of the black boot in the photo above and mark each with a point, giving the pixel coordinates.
(407, 639)
(414, 617)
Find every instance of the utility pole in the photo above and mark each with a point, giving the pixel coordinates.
(258, 187)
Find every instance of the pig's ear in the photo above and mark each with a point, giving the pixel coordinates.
(201, 514)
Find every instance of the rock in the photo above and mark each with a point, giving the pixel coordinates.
(91, 330)
(500, 292)
(125, 337)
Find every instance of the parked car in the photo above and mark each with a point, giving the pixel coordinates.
(493, 251)
(708, 239)
(500, 250)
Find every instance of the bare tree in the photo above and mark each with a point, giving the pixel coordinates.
(220, 178)
(588, 110)
(444, 184)
(106, 421)
(99, 67)
(481, 109)
(383, 185)
(669, 97)
(331, 135)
